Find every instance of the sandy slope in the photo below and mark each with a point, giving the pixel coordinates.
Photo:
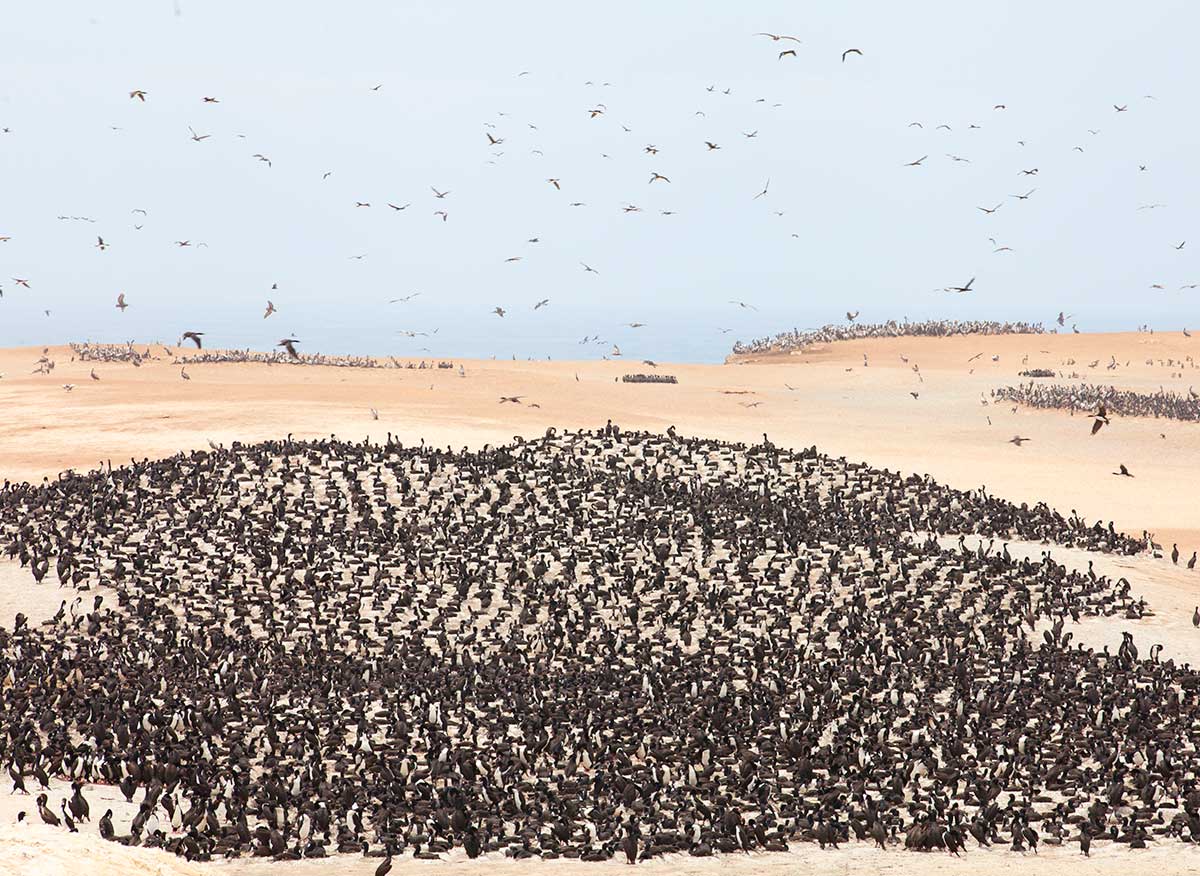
(843, 407)
(824, 397)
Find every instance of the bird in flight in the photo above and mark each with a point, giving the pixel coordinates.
(966, 288)
(102, 246)
(121, 305)
(711, 146)
(499, 311)
(139, 94)
(21, 282)
(210, 100)
(654, 176)
(541, 304)
(916, 163)
(554, 182)
(588, 269)
(362, 203)
(183, 373)
(850, 317)
(791, 52)
(289, 344)
(1181, 245)
(194, 337)
(270, 308)
(763, 192)
(262, 158)
(1025, 196)
(1121, 109)
(850, 52)
(374, 413)
(1123, 471)
(1018, 440)
(514, 399)
(992, 210)
(1100, 419)
(408, 297)
(441, 213)
(635, 325)
(439, 194)
(778, 36)
(394, 207)
(743, 305)
(198, 137)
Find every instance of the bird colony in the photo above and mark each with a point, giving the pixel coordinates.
(588, 645)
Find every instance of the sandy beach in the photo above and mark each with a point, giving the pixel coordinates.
(828, 397)
(844, 408)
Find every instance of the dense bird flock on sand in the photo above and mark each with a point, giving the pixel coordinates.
(1162, 404)
(587, 645)
(800, 339)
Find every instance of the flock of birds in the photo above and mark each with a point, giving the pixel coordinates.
(588, 645)
(500, 131)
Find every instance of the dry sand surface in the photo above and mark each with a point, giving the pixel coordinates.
(836, 403)
(824, 397)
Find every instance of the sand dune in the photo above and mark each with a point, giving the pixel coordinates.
(825, 397)
(838, 404)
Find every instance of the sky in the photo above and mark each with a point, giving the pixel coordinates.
(393, 98)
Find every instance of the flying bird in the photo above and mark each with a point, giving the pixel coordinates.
(1100, 419)
(763, 192)
(654, 176)
(554, 182)
(916, 163)
(194, 337)
(850, 52)
(778, 36)
(992, 210)
(514, 399)
(541, 304)
(791, 52)
(437, 193)
(289, 344)
(262, 158)
(711, 146)
(966, 288)
(588, 269)
(121, 305)
(1025, 196)
(394, 207)
(270, 308)
(198, 137)
(743, 305)
(1123, 471)
(102, 246)
(499, 311)
(139, 94)
(1018, 440)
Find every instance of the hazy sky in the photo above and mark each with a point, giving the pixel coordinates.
(859, 230)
